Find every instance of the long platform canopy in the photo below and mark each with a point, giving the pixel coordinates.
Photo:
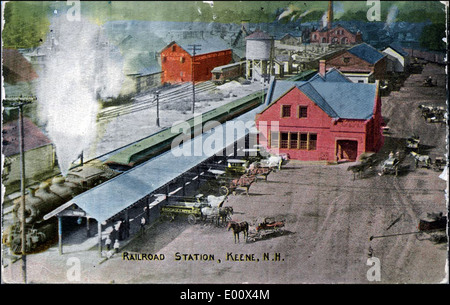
(113, 196)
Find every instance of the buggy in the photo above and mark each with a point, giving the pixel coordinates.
(390, 166)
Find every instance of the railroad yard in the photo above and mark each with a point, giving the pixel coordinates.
(329, 218)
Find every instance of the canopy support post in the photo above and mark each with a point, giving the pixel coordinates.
(99, 238)
(60, 235)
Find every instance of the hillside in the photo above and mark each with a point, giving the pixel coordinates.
(26, 22)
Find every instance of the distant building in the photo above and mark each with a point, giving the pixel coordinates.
(336, 35)
(361, 63)
(39, 151)
(398, 59)
(290, 39)
(327, 118)
(177, 61)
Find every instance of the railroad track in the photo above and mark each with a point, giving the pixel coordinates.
(148, 100)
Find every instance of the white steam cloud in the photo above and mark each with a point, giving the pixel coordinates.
(79, 68)
(391, 16)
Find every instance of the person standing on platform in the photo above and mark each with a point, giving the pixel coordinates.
(116, 246)
(142, 225)
(108, 243)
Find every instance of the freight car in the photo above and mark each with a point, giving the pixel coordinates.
(228, 72)
(47, 197)
(159, 142)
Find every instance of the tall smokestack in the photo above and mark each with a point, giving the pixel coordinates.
(330, 14)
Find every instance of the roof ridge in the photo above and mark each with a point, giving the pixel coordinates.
(333, 112)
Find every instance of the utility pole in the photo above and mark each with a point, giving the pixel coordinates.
(194, 48)
(18, 103)
(157, 108)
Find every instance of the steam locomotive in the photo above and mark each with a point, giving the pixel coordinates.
(40, 233)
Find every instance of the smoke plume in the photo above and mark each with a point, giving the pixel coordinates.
(80, 67)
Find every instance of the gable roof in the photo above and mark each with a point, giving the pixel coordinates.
(209, 45)
(348, 100)
(33, 137)
(335, 94)
(398, 48)
(332, 75)
(366, 53)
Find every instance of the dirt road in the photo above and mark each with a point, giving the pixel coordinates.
(329, 219)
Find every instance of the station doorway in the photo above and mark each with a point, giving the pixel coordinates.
(346, 150)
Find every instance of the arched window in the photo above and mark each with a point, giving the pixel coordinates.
(324, 40)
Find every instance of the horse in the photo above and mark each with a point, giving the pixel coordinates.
(360, 168)
(421, 158)
(256, 170)
(244, 182)
(238, 228)
(224, 213)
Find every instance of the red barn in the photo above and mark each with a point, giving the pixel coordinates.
(327, 118)
(177, 66)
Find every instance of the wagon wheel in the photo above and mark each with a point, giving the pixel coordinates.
(191, 219)
(168, 216)
(224, 191)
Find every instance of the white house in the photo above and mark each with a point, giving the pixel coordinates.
(398, 59)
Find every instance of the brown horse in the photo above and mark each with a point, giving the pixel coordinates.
(238, 228)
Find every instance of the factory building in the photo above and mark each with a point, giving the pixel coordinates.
(179, 64)
(327, 118)
(334, 35)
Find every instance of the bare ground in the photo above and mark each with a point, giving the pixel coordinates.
(329, 221)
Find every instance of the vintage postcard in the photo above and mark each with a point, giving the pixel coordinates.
(224, 142)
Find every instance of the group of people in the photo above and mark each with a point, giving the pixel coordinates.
(121, 231)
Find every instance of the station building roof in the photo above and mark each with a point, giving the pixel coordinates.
(335, 94)
(112, 197)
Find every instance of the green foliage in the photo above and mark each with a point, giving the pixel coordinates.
(431, 37)
(354, 16)
(26, 24)
(421, 16)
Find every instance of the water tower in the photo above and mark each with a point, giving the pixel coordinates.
(259, 55)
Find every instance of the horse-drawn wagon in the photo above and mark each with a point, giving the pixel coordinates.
(432, 226)
(193, 213)
(268, 227)
(412, 143)
(242, 182)
(200, 209)
(390, 165)
(433, 114)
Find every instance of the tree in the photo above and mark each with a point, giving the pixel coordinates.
(431, 37)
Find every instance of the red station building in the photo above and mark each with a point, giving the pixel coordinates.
(178, 61)
(327, 118)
